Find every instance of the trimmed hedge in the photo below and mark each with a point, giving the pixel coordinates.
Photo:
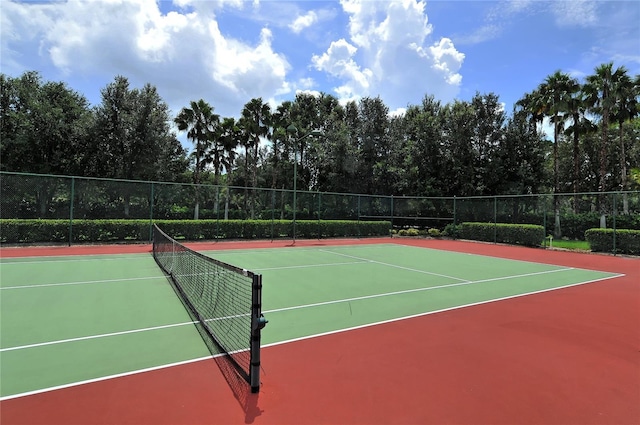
(36, 230)
(574, 226)
(516, 234)
(601, 240)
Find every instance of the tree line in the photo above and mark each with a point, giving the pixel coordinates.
(461, 148)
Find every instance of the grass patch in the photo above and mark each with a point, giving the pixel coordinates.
(570, 244)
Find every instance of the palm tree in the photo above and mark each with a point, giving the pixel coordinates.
(257, 116)
(626, 108)
(226, 141)
(554, 99)
(532, 105)
(576, 108)
(221, 153)
(245, 140)
(199, 121)
(600, 90)
(280, 120)
(555, 95)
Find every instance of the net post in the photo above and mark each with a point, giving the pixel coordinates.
(257, 323)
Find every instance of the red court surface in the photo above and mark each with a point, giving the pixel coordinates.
(569, 356)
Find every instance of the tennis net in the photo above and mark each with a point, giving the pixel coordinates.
(225, 301)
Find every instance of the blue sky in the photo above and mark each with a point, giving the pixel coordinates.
(229, 51)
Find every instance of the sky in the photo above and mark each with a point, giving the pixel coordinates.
(230, 51)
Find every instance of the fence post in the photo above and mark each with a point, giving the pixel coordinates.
(358, 225)
(544, 220)
(455, 220)
(391, 212)
(151, 195)
(614, 223)
(217, 213)
(273, 210)
(495, 219)
(71, 202)
(319, 209)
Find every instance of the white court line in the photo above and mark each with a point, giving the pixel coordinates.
(105, 378)
(273, 344)
(83, 338)
(394, 265)
(309, 266)
(440, 311)
(408, 291)
(364, 297)
(386, 294)
(86, 282)
(81, 258)
(164, 277)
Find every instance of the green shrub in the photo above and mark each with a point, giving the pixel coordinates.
(409, 232)
(434, 233)
(517, 234)
(627, 241)
(36, 230)
(452, 231)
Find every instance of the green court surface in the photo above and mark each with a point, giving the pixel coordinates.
(71, 319)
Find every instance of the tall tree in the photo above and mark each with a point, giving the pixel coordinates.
(488, 132)
(600, 89)
(374, 145)
(156, 153)
(555, 97)
(227, 141)
(198, 121)
(424, 156)
(626, 93)
(256, 116)
(305, 116)
(281, 119)
(576, 109)
(458, 130)
(532, 105)
(132, 139)
(42, 126)
(521, 158)
(112, 150)
(555, 93)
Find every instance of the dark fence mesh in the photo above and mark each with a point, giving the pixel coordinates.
(30, 196)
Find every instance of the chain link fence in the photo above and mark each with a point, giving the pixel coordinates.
(32, 196)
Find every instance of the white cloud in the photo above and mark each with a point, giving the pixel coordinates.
(447, 59)
(388, 54)
(575, 13)
(486, 32)
(303, 21)
(184, 53)
(245, 70)
(338, 61)
(228, 51)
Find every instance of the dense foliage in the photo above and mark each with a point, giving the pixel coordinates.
(623, 241)
(28, 231)
(515, 234)
(462, 148)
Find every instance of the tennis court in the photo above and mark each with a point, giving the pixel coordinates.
(360, 331)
